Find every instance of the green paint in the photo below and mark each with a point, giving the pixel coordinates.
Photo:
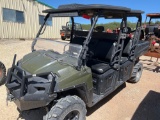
(68, 76)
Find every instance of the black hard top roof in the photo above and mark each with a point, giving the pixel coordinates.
(107, 11)
(83, 7)
(136, 13)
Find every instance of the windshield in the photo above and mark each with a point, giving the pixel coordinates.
(61, 51)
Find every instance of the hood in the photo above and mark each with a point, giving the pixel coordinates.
(41, 61)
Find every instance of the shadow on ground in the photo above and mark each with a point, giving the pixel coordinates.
(32, 115)
(149, 108)
(150, 65)
(105, 100)
(157, 69)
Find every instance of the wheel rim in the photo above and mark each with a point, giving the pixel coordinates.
(73, 115)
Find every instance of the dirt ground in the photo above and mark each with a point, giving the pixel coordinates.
(139, 101)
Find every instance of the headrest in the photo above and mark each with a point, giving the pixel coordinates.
(126, 30)
(99, 28)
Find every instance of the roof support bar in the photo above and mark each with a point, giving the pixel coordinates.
(86, 42)
(72, 31)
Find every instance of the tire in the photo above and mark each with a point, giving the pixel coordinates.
(63, 38)
(137, 73)
(68, 108)
(2, 74)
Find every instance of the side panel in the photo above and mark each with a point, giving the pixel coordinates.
(141, 48)
(105, 82)
(73, 78)
(126, 71)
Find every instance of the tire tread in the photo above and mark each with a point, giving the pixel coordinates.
(62, 104)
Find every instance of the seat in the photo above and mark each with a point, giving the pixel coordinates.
(102, 56)
(101, 49)
(99, 28)
(100, 68)
(78, 40)
(126, 47)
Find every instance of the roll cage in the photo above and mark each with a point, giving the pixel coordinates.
(93, 12)
(152, 16)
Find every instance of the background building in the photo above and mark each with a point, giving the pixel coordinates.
(22, 19)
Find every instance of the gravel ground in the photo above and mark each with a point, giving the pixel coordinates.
(139, 101)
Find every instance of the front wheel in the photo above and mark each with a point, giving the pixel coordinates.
(63, 38)
(68, 108)
(2, 74)
(137, 73)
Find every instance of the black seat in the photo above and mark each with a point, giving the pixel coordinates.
(126, 50)
(100, 68)
(97, 35)
(103, 54)
(78, 40)
(126, 47)
(101, 49)
(99, 28)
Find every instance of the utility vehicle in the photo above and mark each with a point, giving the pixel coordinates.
(152, 22)
(81, 73)
(2, 74)
(66, 30)
(152, 32)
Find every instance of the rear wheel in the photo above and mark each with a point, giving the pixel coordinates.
(137, 73)
(68, 108)
(2, 74)
(63, 38)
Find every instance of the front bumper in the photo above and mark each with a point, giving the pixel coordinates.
(29, 91)
(27, 103)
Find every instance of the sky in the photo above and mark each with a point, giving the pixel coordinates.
(148, 6)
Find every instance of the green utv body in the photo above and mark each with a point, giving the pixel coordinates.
(68, 77)
(82, 72)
